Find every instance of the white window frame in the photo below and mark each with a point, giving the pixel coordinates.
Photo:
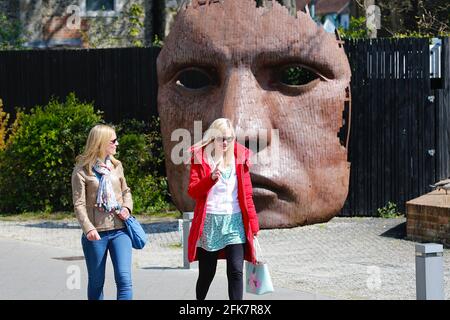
(118, 6)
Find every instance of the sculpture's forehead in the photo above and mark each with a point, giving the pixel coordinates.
(237, 32)
(241, 25)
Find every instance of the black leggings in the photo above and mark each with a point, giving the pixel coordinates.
(207, 263)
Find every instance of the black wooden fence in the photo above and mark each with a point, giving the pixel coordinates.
(121, 81)
(399, 140)
(400, 127)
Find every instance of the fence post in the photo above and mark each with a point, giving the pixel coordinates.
(429, 272)
(187, 220)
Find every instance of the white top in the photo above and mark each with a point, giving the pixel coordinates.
(223, 196)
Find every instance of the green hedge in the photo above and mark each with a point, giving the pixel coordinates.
(140, 150)
(37, 162)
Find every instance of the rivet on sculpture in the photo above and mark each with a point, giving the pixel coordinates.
(267, 71)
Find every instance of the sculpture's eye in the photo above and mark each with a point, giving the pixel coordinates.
(296, 76)
(194, 79)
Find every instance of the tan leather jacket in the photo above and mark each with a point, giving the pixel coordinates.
(84, 192)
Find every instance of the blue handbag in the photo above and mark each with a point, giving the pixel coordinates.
(137, 234)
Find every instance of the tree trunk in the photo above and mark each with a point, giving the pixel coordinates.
(356, 10)
(410, 20)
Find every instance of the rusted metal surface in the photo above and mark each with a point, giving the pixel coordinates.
(239, 51)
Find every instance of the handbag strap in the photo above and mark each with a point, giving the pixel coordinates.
(258, 250)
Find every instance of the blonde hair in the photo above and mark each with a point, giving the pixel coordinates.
(97, 141)
(219, 127)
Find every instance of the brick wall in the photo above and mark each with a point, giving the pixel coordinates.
(428, 218)
(55, 28)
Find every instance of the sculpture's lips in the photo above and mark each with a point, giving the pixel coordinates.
(267, 187)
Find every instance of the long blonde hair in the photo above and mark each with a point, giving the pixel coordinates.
(97, 141)
(219, 127)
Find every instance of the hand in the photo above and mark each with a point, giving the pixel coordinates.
(215, 174)
(93, 235)
(124, 214)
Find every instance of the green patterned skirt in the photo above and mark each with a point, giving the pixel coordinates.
(221, 230)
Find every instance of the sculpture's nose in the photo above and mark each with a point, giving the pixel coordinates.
(247, 105)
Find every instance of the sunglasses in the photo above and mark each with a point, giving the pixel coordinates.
(114, 141)
(222, 139)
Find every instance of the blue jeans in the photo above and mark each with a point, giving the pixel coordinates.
(95, 252)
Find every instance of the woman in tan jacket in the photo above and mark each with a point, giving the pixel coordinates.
(102, 201)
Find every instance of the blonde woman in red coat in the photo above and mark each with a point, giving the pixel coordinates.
(225, 219)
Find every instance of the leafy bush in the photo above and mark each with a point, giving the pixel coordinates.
(140, 150)
(136, 14)
(417, 34)
(4, 117)
(356, 30)
(389, 211)
(11, 34)
(36, 165)
(157, 42)
(37, 155)
(150, 194)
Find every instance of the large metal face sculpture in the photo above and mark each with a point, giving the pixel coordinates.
(267, 71)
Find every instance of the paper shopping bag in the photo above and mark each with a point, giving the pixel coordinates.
(257, 278)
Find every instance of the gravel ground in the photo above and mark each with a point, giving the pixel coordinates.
(346, 258)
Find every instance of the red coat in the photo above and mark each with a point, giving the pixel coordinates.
(200, 183)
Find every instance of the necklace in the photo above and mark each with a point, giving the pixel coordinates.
(226, 174)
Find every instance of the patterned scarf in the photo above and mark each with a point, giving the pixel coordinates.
(106, 198)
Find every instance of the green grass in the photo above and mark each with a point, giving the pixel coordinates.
(37, 216)
(158, 216)
(175, 245)
(71, 216)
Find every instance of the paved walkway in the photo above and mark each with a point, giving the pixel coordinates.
(37, 271)
(346, 258)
